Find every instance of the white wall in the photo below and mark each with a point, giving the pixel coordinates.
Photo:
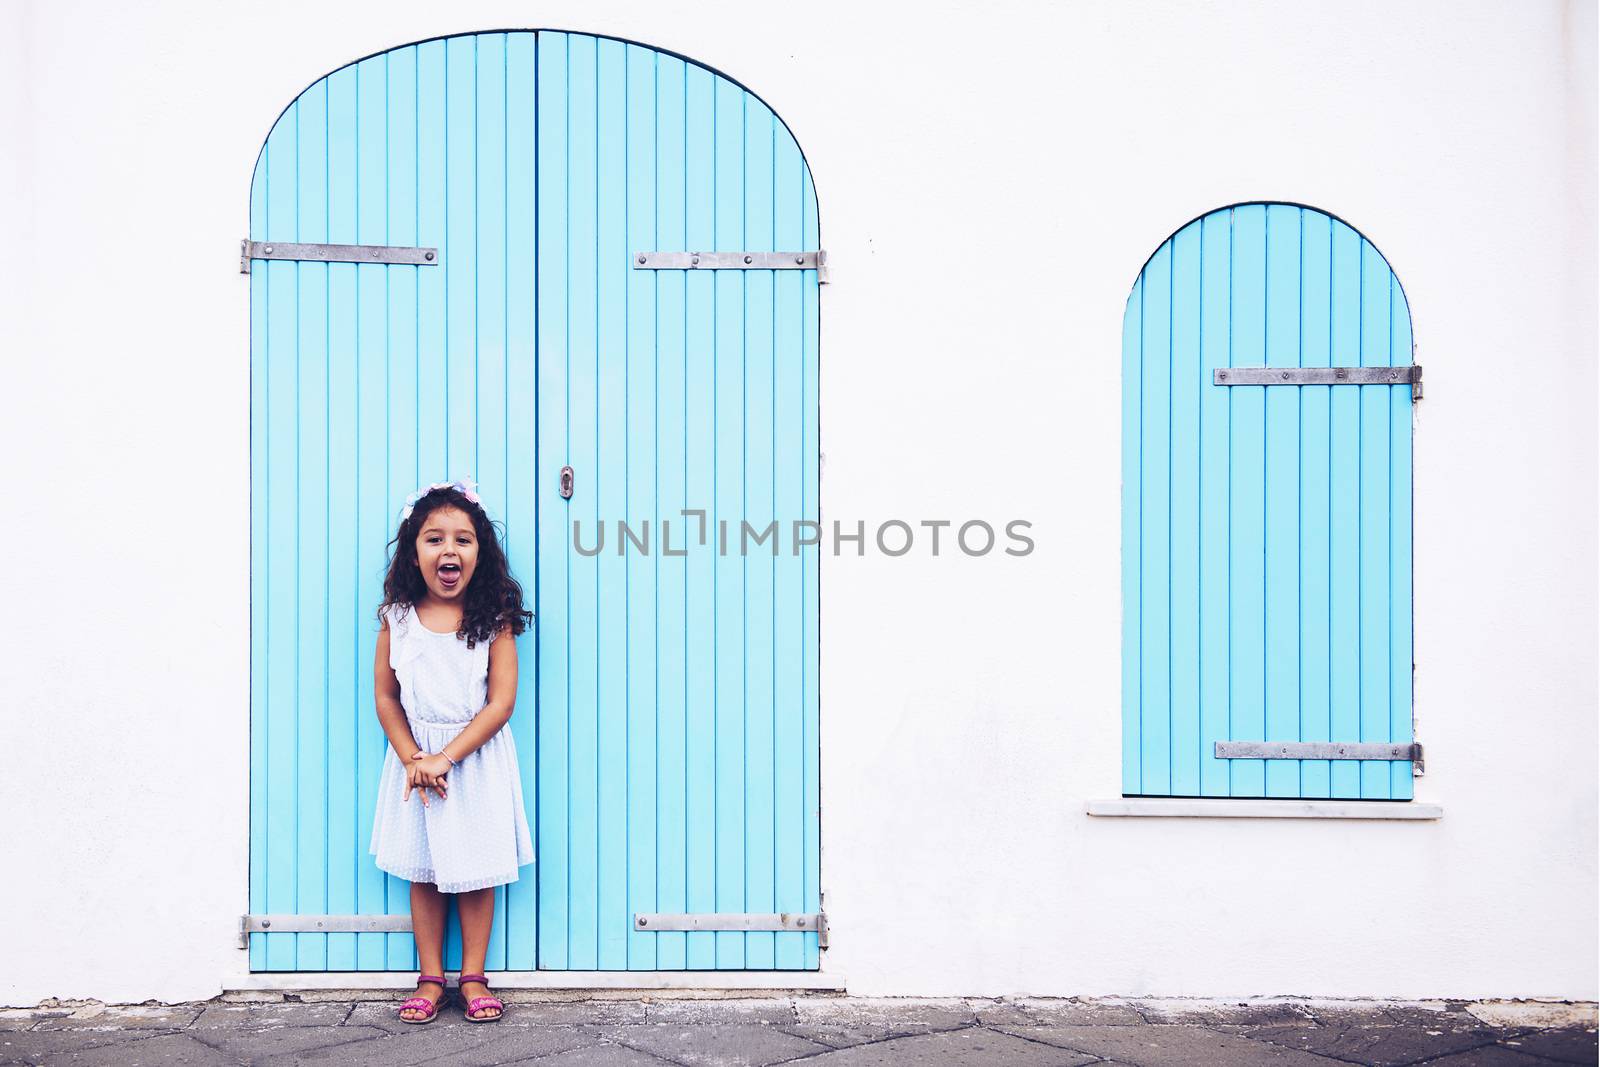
(991, 179)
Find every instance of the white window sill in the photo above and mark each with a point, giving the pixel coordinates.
(1230, 808)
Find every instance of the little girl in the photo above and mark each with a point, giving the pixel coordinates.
(446, 681)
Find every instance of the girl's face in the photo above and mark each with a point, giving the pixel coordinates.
(447, 552)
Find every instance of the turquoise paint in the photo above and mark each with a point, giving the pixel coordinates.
(1266, 531)
(400, 294)
(668, 711)
(344, 807)
(383, 342)
(699, 569)
(671, 494)
(1246, 544)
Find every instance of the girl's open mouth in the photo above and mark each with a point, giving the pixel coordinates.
(449, 575)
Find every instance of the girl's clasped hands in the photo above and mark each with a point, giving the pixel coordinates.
(426, 772)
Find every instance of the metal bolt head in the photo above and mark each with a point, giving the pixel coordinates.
(267, 250)
(642, 258)
(642, 920)
(374, 253)
(800, 260)
(428, 256)
(694, 261)
(1222, 375)
(749, 259)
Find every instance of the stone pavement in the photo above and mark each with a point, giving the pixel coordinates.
(555, 1030)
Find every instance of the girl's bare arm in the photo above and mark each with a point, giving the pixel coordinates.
(386, 695)
(502, 698)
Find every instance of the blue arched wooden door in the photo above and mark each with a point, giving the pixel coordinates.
(667, 713)
(1266, 514)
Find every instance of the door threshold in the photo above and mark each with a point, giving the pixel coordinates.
(283, 981)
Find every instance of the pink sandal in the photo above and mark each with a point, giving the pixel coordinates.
(477, 1004)
(430, 1008)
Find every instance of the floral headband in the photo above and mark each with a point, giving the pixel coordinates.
(465, 486)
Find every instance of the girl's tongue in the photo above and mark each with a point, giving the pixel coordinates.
(449, 575)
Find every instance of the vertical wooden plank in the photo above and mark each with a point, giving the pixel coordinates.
(812, 454)
(1316, 294)
(461, 264)
(1281, 608)
(758, 561)
(491, 167)
(671, 560)
(1132, 529)
(433, 229)
(282, 336)
(611, 274)
(583, 356)
(259, 458)
(728, 418)
(342, 611)
(1400, 606)
(493, 435)
(1375, 492)
(555, 634)
(519, 199)
(700, 537)
(1155, 703)
(1344, 509)
(311, 704)
(789, 419)
(1216, 331)
(1184, 512)
(493, 432)
(1247, 512)
(372, 443)
(396, 297)
(642, 511)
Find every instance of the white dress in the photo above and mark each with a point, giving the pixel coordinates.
(478, 835)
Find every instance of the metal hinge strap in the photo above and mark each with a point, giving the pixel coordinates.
(1318, 750)
(321, 924)
(746, 921)
(323, 253)
(817, 261)
(1411, 373)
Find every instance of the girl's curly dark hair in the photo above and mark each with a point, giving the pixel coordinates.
(494, 598)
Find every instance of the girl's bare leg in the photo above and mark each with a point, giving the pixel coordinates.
(428, 910)
(476, 912)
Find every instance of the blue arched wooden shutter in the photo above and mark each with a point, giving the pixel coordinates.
(1266, 547)
(678, 694)
(667, 714)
